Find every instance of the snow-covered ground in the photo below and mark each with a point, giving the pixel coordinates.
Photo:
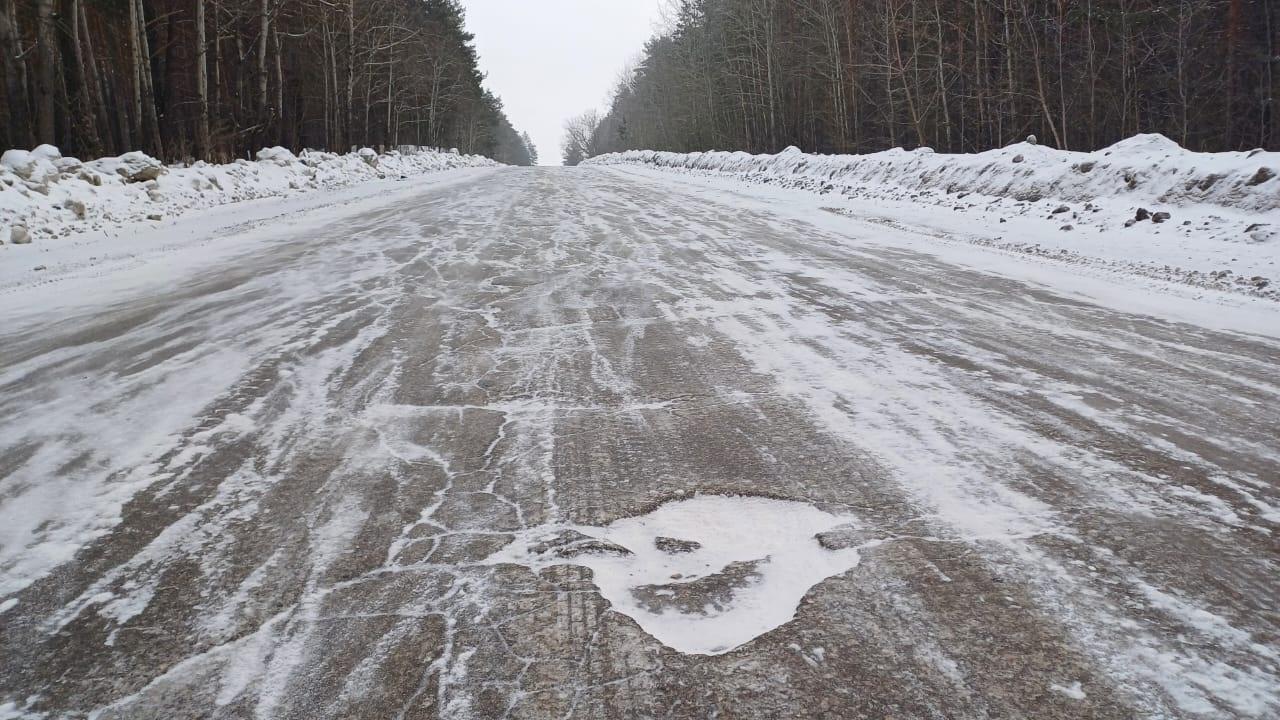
(44, 195)
(617, 441)
(1142, 207)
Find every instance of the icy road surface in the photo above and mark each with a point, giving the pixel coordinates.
(593, 443)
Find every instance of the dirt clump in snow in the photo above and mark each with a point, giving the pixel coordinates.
(675, 546)
(569, 544)
(713, 593)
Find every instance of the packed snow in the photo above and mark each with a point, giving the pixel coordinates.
(44, 195)
(1144, 206)
(703, 575)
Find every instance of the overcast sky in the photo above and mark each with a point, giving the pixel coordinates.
(551, 59)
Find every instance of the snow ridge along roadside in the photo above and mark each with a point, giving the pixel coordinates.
(1145, 205)
(45, 195)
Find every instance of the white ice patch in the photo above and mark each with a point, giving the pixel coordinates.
(1073, 691)
(754, 561)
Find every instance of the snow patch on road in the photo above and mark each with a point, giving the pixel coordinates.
(1073, 690)
(703, 576)
(50, 513)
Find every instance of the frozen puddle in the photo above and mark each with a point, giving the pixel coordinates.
(703, 575)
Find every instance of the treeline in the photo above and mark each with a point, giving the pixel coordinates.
(954, 75)
(216, 79)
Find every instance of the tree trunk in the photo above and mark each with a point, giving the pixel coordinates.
(329, 91)
(146, 99)
(1267, 132)
(391, 85)
(279, 135)
(1040, 91)
(1062, 78)
(264, 36)
(892, 121)
(1093, 74)
(202, 85)
(86, 129)
(46, 74)
(349, 97)
(136, 57)
(93, 79)
(15, 95)
(942, 77)
(217, 108)
(1011, 107)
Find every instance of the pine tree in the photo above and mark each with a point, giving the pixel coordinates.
(530, 149)
(957, 76)
(217, 79)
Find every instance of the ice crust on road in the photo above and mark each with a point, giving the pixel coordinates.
(395, 414)
(756, 558)
(90, 464)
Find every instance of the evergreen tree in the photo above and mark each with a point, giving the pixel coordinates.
(217, 79)
(530, 148)
(962, 76)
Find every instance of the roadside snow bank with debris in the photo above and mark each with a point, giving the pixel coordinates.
(45, 195)
(1143, 206)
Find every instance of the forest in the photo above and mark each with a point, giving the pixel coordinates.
(852, 76)
(218, 79)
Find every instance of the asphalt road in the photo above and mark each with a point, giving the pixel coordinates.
(382, 470)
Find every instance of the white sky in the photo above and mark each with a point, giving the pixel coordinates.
(552, 59)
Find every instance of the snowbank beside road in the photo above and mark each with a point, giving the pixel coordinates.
(1147, 168)
(45, 195)
(1144, 205)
